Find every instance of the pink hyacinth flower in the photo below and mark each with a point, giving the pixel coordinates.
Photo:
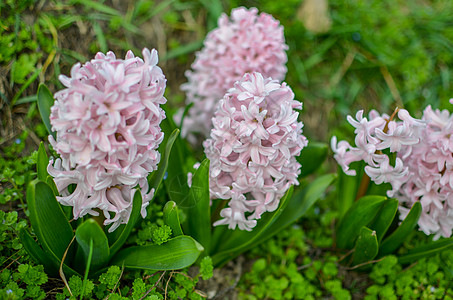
(107, 122)
(253, 148)
(246, 42)
(422, 170)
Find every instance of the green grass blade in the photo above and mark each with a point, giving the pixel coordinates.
(94, 5)
(100, 37)
(182, 50)
(27, 99)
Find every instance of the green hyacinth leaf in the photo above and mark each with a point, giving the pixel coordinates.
(45, 102)
(299, 204)
(155, 179)
(360, 214)
(50, 182)
(348, 187)
(366, 246)
(198, 223)
(125, 230)
(384, 218)
(179, 252)
(37, 253)
(171, 218)
(89, 232)
(396, 239)
(238, 241)
(48, 220)
(42, 162)
(311, 157)
(425, 251)
(176, 181)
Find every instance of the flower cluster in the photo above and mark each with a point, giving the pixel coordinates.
(253, 148)
(107, 124)
(422, 169)
(248, 42)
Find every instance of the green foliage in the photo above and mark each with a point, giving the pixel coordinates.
(25, 282)
(407, 42)
(10, 244)
(206, 268)
(75, 284)
(94, 250)
(111, 277)
(429, 278)
(289, 273)
(16, 171)
(31, 275)
(154, 233)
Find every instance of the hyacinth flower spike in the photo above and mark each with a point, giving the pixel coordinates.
(422, 170)
(107, 124)
(245, 42)
(253, 148)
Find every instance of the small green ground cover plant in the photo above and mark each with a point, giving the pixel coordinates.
(356, 59)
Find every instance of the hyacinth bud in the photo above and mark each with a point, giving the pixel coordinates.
(253, 148)
(247, 42)
(107, 122)
(422, 170)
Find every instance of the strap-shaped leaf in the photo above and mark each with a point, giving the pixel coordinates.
(185, 112)
(156, 177)
(177, 253)
(36, 252)
(41, 164)
(87, 268)
(360, 214)
(53, 186)
(425, 251)
(347, 188)
(171, 218)
(299, 204)
(50, 262)
(135, 214)
(241, 240)
(176, 182)
(48, 220)
(198, 223)
(312, 157)
(90, 232)
(366, 246)
(394, 241)
(384, 218)
(45, 102)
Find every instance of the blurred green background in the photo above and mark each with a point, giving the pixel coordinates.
(343, 55)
